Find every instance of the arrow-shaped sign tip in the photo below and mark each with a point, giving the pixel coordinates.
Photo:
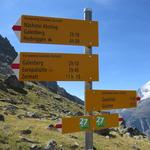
(14, 66)
(58, 126)
(138, 98)
(16, 28)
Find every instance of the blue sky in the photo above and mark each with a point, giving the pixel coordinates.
(124, 37)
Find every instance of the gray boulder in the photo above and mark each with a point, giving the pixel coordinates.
(33, 115)
(35, 147)
(74, 146)
(51, 145)
(27, 131)
(2, 118)
(14, 83)
(11, 109)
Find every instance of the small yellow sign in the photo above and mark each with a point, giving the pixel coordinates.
(97, 100)
(76, 124)
(105, 121)
(58, 67)
(36, 29)
(89, 123)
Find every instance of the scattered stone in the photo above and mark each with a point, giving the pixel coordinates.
(51, 127)
(94, 148)
(35, 147)
(10, 109)
(14, 83)
(103, 132)
(2, 118)
(107, 137)
(51, 145)
(24, 108)
(42, 107)
(6, 113)
(129, 130)
(133, 131)
(1, 108)
(127, 134)
(73, 137)
(33, 115)
(3, 86)
(52, 115)
(75, 145)
(27, 131)
(65, 111)
(138, 137)
(29, 85)
(26, 101)
(12, 101)
(69, 114)
(57, 97)
(79, 113)
(54, 118)
(134, 147)
(81, 107)
(19, 116)
(28, 140)
(61, 147)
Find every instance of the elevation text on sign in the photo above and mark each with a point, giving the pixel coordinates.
(57, 67)
(97, 100)
(35, 29)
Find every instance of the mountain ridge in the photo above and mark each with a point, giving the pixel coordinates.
(140, 117)
(8, 54)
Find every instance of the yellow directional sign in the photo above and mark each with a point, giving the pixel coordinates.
(35, 29)
(97, 100)
(105, 121)
(89, 123)
(70, 125)
(58, 67)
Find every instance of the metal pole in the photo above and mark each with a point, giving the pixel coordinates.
(88, 85)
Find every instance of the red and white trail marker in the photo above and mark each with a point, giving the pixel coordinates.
(120, 119)
(58, 126)
(138, 98)
(15, 66)
(17, 29)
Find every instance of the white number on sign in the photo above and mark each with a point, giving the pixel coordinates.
(100, 121)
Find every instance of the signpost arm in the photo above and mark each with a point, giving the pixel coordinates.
(88, 85)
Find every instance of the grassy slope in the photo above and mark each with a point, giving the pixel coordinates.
(10, 129)
(41, 134)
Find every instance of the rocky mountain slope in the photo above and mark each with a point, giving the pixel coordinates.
(29, 113)
(26, 113)
(7, 51)
(8, 54)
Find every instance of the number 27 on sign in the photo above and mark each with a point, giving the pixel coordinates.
(100, 121)
(84, 123)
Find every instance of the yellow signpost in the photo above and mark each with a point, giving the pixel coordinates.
(70, 67)
(36, 29)
(97, 100)
(89, 123)
(58, 67)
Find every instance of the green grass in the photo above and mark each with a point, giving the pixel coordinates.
(10, 134)
(10, 129)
